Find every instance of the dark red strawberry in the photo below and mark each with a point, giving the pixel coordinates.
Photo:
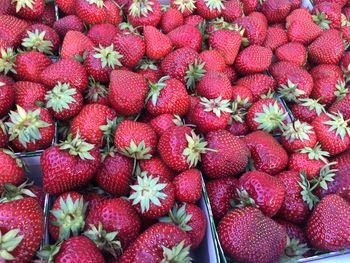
(66, 6)
(275, 37)
(12, 169)
(292, 52)
(214, 61)
(303, 31)
(213, 85)
(327, 15)
(341, 106)
(68, 23)
(165, 121)
(188, 186)
(28, 10)
(210, 9)
(97, 93)
(11, 29)
(102, 34)
(7, 95)
(186, 7)
(4, 137)
(253, 59)
(131, 46)
(144, 13)
(307, 110)
(29, 94)
(75, 45)
(114, 12)
(155, 166)
(259, 84)
(171, 19)
(276, 11)
(186, 36)
(232, 10)
(255, 27)
(93, 12)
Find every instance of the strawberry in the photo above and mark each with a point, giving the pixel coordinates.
(213, 85)
(63, 101)
(259, 84)
(4, 137)
(49, 16)
(231, 73)
(341, 106)
(159, 242)
(332, 132)
(293, 52)
(135, 139)
(186, 36)
(194, 20)
(242, 96)
(281, 69)
(298, 14)
(328, 48)
(298, 135)
(11, 29)
(69, 165)
(180, 148)
(94, 123)
(7, 95)
(275, 37)
(158, 45)
(127, 92)
(191, 219)
(255, 28)
(12, 169)
(22, 228)
(97, 93)
(29, 65)
(114, 13)
(172, 18)
(68, 23)
(328, 226)
(168, 96)
(188, 186)
(307, 109)
(155, 166)
(92, 12)
(209, 9)
(267, 154)
(144, 13)
(29, 94)
(244, 226)
(214, 61)
(250, 6)
(266, 114)
(28, 9)
(131, 46)
(186, 7)
(102, 34)
(327, 15)
(31, 129)
(227, 42)
(276, 11)
(253, 59)
(66, 6)
(115, 215)
(100, 62)
(338, 2)
(226, 148)
(165, 121)
(261, 190)
(75, 45)
(67, 216)
(303, 31)
(65, 71)
(232, 10)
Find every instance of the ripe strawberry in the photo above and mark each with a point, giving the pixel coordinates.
(275, 37)
(156, 167)
(242, 96)
(241, 227)
(180, 148)
(253, 59)
(259, 84)
(12, 169)
(281, 69)
(131, 46)
(102, 34)
(209, 9)
(298, 14)
(267, 154)
(188, 186)
(276, 11)
(69, 165)
(341, 106)
(165, 121)
(66, 6)
(67, 216)
(266, 114)
(328, 226)
(146, 13)
(28, 10)
(186, 7)
(172, 18)
(158, 45)
(213, 85)
(127, 92)
(191, 219)
(65, 71)
(94, 123)
(255, 28)
(214, 61)
(22, 228)
(115, 215)
(303, 31)
(231, 73)
(4, 137)
(338, 2)
(11, 29)
(227, 42)
(114, 13)
(93, 12)
(97, 93)
(226, 148)
(186, 36)
(307, 109)
(75, 45)
(232, 10)
(327, 15)
(194, 20)
(298, 135)
(159, 242)
(293, 52)
(49, 16)
(68, 23)
(7, 95)
(29, 65)
(29, 94)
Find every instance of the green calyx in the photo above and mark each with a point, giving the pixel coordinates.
(60, 97)
(183, 5)
(338, 124)
(297, 130)
(219, 24)
(341, 91)
(271, 118)
(217, 106)
(70, 217)
(8, 243)
(140, 8)
(244, 199)
(178, 217)
(177, 254)
(23, 4)
(215, 4)
(307, 191)
(269, 95)
(77, 147)
(12, 192)
(25, 125)
(321, 19)
(344, 21)
(98, 3)
(290, 92)
(194, 73)
(105, 241)
(326, 175)
(7, 61)
(48, 252)
(109, 130)
(238, 113)
(137, 152)
(148, 191)
(196, 146)
(96, 90)
(316, 153)
(35, 41)
(294, 250)
(108, 56)
(178, 121)
(313, 104)
(155, 89)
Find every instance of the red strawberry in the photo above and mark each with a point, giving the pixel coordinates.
(165, 121)
(341, 106)
(231, 73)
(67, 6)
(259, 84)
(97, 93)
(156, 167)
(4, 137)
(127, 92)
(232, 10)
(68, 23)
(75, 45)
(242, 96)
(328, 226)
(102, 34)
(186, 36)
(214, 61)
(303, 31)
(188, 186)
(144, 13)
(298, 14)
(213, 85)
(292, 52)
(67, 216)
(65, 71)
(172, 18)
(247, 235)
(28, 10)
(255, 27)
(276, 11)
(267, 154)
(186, 7)
(275, 37)
(338, 2)
(93, 12)
(150, 70)
(327, 15)
(69, 165)
(12, 169)
(253, 59)
(307, 110)
(226, 148)
(261, 190)
(194, 20)
(49, 16)
(22, 228)
(29, 94)
(114, 13)
(131, 46)
(158, 45)
(11, 29)
(7, 95)
(227, 42)
(209, 9)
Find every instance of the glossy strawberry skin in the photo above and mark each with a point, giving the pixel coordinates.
(90, 13)
(255, 27)
(214, 61)
(213, 85)
(162, 122)
(7, 95)
(276, 10)
(155, 166)
(207, 13)
(303, 31)
(186, 36)
(29, 94)
(171, 19)
(188, 186)
(292, 52)
(75, 43)
(151, 19)
(297, 144)
(158, 45)
(301, 162)
(259, 84)
(131, 46)
(37, 10)
(11, 172)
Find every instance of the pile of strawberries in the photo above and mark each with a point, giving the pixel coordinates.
(146, 98)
